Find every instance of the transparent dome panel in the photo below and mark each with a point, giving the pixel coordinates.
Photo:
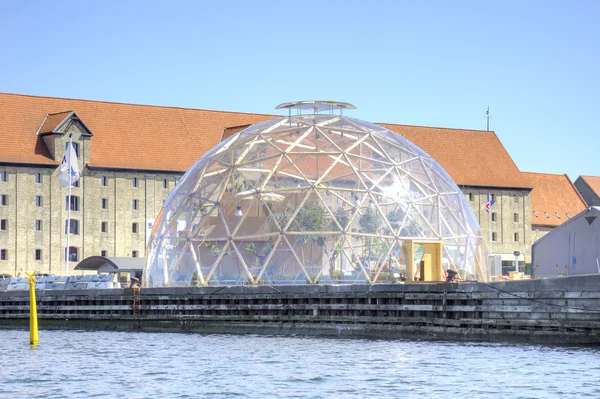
(310, 199)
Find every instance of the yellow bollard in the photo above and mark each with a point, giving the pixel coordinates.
(33, 321)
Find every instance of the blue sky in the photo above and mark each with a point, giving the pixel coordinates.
(434, 63)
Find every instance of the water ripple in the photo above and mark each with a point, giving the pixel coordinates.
(78, 364)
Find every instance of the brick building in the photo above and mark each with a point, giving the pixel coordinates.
(131, 156)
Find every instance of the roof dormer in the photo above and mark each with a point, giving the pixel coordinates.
(59, 126)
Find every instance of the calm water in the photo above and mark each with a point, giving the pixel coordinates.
(141, 365)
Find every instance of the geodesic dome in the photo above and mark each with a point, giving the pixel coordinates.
(311, 198)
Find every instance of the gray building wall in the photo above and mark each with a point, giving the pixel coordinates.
(571, 248)
(508, 203)
(21, 239)
(590, 197)
(539, 231)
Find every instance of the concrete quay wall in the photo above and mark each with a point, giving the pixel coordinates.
(555, 311)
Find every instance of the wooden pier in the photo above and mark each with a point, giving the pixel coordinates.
(557, 311)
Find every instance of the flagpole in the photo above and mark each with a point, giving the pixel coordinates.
(68, 209)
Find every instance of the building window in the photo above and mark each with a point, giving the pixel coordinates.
(557, 215)
(38, 178)
(494, 236)
(508, 266)
(73, 254)
(568, 216)
(38, 225)
(516, 217)
(76, 148)
(535, 214)
(74, 227)
(516, 237)
(4, 200)
(470, 196)
(104, 181)
(546, 214)
(134, 227)
(38, 200)
(75, 183)
(4, 176)
(104, 203)
(134, 204)
(74, 203)
(134, 182)
(515, 198)
(4, 224)
(104, 227)
(493, 197)
(165, 183)
(104, 253)
(134, 254)
(38, 254)
(3, 254)
(494, 216)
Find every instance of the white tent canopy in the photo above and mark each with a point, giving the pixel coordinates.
(103, 264)
(571, 248)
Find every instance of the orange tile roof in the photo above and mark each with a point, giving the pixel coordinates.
(53, 121)
(471, 157)
(169, 138)
(230, 131)
(125, 135)
(593, 183)
(553, 194)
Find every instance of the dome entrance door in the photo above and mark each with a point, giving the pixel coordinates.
(426, 264)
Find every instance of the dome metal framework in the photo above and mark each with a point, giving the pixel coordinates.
(312, 199)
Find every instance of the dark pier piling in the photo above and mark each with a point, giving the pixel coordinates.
(556, 311)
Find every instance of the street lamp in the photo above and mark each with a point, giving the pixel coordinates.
(517, 253)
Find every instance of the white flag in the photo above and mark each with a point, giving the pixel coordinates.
(69, 168)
